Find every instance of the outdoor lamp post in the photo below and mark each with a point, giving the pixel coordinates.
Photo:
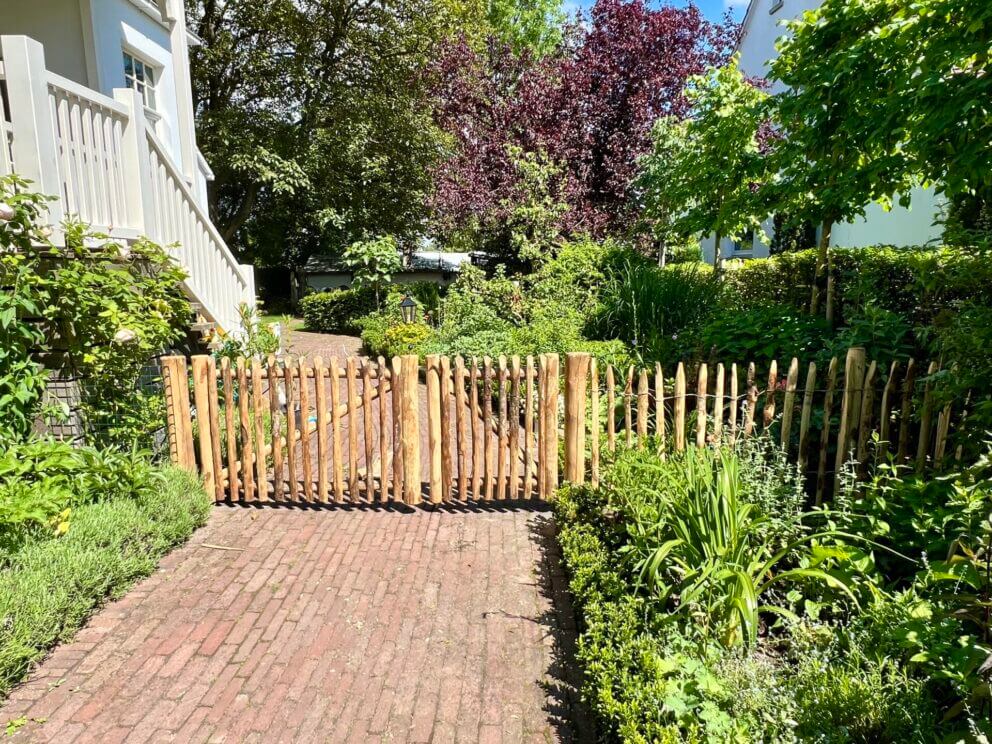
(407, 307)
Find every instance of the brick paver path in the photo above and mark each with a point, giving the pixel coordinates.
(325, 625)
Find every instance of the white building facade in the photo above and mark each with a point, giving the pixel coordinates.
(762, 25)
(98, 110)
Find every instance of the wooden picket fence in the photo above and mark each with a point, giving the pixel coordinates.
(363, 430)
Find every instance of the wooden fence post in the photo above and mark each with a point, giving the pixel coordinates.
(702, 384)
(850, 412)
(409, 411)
(576, 379)
(201, 375)
(679, 410)
(178, 422)
(434, 427)
(549, 433)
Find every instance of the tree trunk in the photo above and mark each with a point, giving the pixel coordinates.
(717, 253)
(822, 256)
(662, 253)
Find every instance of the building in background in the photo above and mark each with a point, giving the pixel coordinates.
(437, 267)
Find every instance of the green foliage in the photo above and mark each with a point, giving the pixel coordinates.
(655, 310)
(537, 207)
(50, 585)
(336, 311)
(527, 26)
(761, 333)
(102, 309)
(404, 338)
(372, 263)
(256, 338)
(702, 174)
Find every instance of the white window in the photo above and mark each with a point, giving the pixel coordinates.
(140, 76)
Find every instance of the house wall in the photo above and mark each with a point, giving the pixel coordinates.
(58, 25)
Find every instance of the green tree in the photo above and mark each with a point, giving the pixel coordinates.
(882, 95)
(373, 262)
(704, 174)
(313, 114)
(657, 189)
(533, 26)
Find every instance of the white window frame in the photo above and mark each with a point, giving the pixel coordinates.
(145, 87)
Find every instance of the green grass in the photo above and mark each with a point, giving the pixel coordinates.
(294, 324)
(52, 585)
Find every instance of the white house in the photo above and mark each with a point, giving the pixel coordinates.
(762, 25)
(98, 109)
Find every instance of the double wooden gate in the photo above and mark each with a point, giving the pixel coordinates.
(362, 430)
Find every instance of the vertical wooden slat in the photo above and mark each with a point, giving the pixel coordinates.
(305, 429)
(885, 413)
(333, 378)
(460, 427)
(487, 426)
(501, 413)
(752, 400)
(351, 393)
(659, 408)
(867, 415)
(529, 430)
(828, 402)
(735, 403)
(382, 398)
(850, 412)
(718, 404)
(905, 420)
(769, 412)
(233, 486)
(411, 430)
(628, 397)
(478, 442)
(679, 410)
(702, 384)
(926, 420)
(396, 383)
(247, 450)
(367, 429)
(643, 399)
(212, 401)
(176, 389)
(549, 439)
(291, 421)
(611, 409)
(446, 472)
(789, 402)
(514, 424)
(576, 379)
(278, 482)
(258, 413)
(320, 402)
(434, 427)
(201, 394)
(594, 408)
(804, 417)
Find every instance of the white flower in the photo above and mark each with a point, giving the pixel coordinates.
(6, 212)
(125, 336)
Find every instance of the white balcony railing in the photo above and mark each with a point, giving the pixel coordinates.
(104, 161)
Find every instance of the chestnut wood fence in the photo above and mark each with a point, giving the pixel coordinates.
(450, 430)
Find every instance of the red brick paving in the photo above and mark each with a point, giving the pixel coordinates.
(325, 625)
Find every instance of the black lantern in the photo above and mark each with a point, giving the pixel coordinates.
(408, 307)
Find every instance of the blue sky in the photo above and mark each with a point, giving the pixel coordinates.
(712, 9)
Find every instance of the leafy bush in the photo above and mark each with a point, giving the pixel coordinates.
(660, 577)
(255, 339)
(338, 310)
(404, 338)
(50, 585)
(761, 334)
(655, 310)
(101, 309)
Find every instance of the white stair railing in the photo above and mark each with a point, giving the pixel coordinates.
(102, 158)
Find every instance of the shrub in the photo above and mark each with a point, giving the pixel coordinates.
(338, 310)
(761, 334)
(49, 586)
(405, 338)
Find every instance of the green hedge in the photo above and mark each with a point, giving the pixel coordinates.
(50, 585)
(337, 310)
